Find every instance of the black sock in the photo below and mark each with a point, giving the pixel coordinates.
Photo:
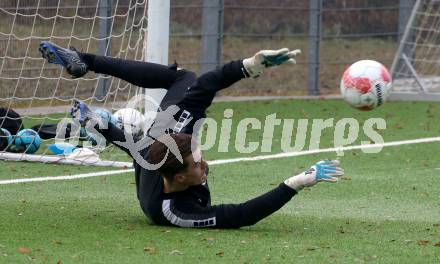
(139, 73)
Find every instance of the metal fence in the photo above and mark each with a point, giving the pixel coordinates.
(206, 33)
(332, 35)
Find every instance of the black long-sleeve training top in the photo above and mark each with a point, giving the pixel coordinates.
(191, 207)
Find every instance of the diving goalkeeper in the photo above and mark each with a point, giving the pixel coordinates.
(176, 192)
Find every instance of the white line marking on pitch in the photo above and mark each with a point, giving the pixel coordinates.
(68, 177)
(225, 161)
(315, 151)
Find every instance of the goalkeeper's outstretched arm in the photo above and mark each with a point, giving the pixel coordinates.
(200, 95)
(191, 214)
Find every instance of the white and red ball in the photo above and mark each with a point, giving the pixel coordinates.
(365, 84)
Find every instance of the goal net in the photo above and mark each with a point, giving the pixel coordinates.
(43, 93)
(416, 67)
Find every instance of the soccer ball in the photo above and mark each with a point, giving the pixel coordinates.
(27, 140)
(106, 115)
(5, 139)
(129, 119)
(365, 84)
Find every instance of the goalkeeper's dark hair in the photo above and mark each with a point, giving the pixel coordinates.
(172, 165)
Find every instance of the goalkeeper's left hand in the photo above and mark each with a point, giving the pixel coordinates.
(269, 58)
(326, 170)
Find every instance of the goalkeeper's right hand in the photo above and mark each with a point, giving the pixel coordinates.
(326, 170)
(269, 58)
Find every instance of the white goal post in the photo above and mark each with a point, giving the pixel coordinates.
(416, 66)
(129, 29)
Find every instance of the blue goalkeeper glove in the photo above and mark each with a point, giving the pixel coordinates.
(269, 58)
(326, 170)
(85, 113)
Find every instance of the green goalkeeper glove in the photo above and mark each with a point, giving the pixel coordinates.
(326, 170)
(269, 58)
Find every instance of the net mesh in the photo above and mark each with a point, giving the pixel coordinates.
(417, 65)
(38, 90)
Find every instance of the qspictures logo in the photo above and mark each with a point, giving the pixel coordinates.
(232, 134)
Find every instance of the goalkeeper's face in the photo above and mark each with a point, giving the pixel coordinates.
(195, 172)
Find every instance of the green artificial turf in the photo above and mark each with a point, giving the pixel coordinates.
(385, 210)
